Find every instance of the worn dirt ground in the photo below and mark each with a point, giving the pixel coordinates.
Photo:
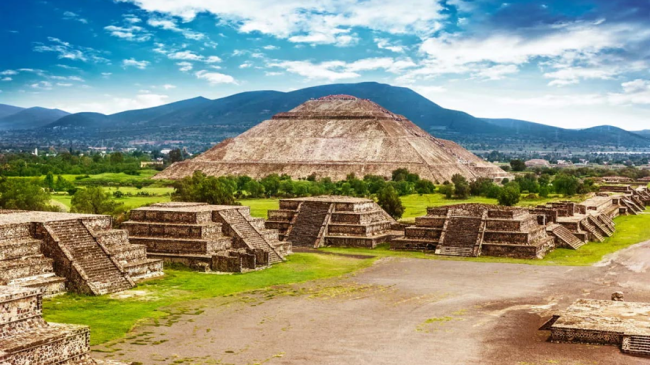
(399, 311)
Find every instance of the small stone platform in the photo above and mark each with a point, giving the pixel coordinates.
(477, 229)
(206, 237)
(626, 324)
(331, 221)
(26, 339)
(79, 252)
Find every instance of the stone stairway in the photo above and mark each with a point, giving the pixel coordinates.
(638, 345)
(308, 226)
(603, 229)
(23, 264)
(593, 233)
(632, 207)
(101, 273)
(607, 221)
(565, 237)
(461, 236)
(248, 233)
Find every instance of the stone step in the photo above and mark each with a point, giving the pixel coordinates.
(182, 246)
(48, 345)
(565, 236)
(13, 249)
(25, 267)
(144, 269)
(49, 284)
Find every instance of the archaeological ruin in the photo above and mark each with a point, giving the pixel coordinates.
(55, 252)
(332, 137)
(26, 339)
(333, 221)
(477, 229)
(604, 322)
(206, 237)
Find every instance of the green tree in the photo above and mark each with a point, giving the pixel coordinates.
(389, 200)
(509, 194)
(461, 187)
(23, 194)
(175, 155)
(400, 174)
(566, 184)
(48, 182)
(517, 165)
(207, 189)
(116, 158)
(94, 200)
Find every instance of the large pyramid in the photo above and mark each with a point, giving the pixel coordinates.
(334, 136)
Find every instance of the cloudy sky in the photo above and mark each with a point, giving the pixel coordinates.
(568, 63)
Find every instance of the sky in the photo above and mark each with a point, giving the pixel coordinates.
(572, 64)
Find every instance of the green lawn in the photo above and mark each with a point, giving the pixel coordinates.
(112, 318)
(259, 207)
(130, 202)
(630, 230)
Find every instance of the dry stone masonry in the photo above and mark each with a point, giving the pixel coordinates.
(477, 229)
(332, 137)
(26, 339)
(604, 322)
(206, 237)
(78, 252)
(334, 221)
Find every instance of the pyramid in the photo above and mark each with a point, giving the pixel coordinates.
(334, 136)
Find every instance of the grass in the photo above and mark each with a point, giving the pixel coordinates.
(260, 207)
(130, 202)
(111, 318)
(630, 230)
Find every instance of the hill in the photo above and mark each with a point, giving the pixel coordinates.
(35, 117)
(6, 110)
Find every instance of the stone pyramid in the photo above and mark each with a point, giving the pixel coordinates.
(334, 136)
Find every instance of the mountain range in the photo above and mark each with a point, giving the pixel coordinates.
(206, 121)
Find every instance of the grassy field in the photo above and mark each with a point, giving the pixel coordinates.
(130, 202)
(630, 230)
(111, 318)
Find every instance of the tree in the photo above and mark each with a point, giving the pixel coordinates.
(400, 174)
(424, 187)
(509, 194)
(94, 200)
(206, 189)
(447, 189)
(117, 157)
(49, 180)
(175, 155)
(517, 165)
(23, 194)
(481, 186)
(461, 187)
(566, 184)
(389, 200)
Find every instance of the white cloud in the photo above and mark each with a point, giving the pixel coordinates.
(68, 15)
(106, 74)
(42, 85)
(271, 47)
(212, 59)
(246, 64)
(9, 72)
(215, 77)
(135, 63)
(63, 84)
(383, 43)
(69, 51)
(271, 73)
(7, 78)
(168, 86)
(340, 70)
(131, 33)
(323, 21)
(69, 78)
(170, 24)
(130, 18)
(185, 55)
(185, 66)
(497, 72)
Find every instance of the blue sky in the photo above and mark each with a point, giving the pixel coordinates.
(567, 63)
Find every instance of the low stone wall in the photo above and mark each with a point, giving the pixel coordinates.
(586, 336)
(281, 215)
(358, 230)
(412, 245)
(423, 233)
(145, 229)
(518, 251)
(171, 216)
(358, 218)
(179, 246)
(366, 242)
(98, 223)
(428, 221)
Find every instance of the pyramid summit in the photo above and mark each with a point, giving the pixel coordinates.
(334, 136)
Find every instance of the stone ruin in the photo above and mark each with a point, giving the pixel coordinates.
(634, 199)
(78, 252)
(477, 229)
(335, 136)
(335, 221)
(206, 237)
(26, 339)
(604, 322)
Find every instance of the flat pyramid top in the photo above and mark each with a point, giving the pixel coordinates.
(339, 107)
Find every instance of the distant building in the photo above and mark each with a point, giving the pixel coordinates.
(538, 162)
(645, 179)
(165, 151)
(616, 179)
(144, 164)
(564, 163)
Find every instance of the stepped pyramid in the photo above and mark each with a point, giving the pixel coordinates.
(26, 339)
(78, 252)
(334, 136)
(206, 237)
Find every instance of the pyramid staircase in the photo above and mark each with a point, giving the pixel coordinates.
(462, 236)
(632, 207)
(564, 237)
(310, 223)
(244, 230)
(98, 271)
(594, 235)
(637, 345)
(603, 229)
(23, 264)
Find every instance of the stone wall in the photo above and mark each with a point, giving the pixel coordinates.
(586, 336)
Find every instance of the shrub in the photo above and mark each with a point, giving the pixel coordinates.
(389, 200)
(509, 194)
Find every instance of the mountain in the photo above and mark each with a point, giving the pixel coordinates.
(6, 110)
(201, 122)
(31, 118)
(645, 133)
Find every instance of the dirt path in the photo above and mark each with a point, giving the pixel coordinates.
(400, 311)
